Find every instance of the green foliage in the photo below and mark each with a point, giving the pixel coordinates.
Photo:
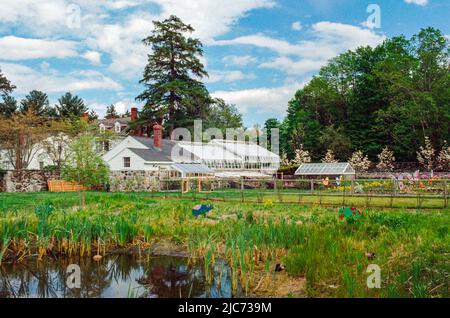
(38, 103)
(83, 164)
(392, 95)
(111, 112)
(173, 92)
(8, 106)
(70, 106)
(411, 247)
(5, 85)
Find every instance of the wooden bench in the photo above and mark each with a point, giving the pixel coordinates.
(64, 186)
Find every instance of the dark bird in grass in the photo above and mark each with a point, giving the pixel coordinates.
(279, 268)
(370, 256)
(201, 209)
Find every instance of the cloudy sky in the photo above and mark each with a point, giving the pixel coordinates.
(257, 52)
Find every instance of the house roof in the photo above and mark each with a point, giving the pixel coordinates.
(151, 153)
(320, 169)
(194, 152)
(109, 122)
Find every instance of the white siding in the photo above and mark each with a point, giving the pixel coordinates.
(136, 162)
(128, 142)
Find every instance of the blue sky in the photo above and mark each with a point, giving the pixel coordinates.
(257, 52)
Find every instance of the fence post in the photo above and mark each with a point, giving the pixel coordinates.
(445, 194)
(242, 189)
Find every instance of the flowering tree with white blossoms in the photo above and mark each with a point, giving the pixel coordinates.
(425, 155)
(386, 160)
(329, 157)
(444, 158)
(301, 156)
(360, 162)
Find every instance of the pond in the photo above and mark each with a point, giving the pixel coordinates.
(116, 276)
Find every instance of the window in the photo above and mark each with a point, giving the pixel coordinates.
(118, 127)
(126, 162)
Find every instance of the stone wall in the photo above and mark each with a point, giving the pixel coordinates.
(2, 181)
(134, 181)
(27, 180)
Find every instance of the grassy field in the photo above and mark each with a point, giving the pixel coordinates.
(324, 255)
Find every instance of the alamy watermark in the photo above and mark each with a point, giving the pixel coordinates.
(374, 19)
(374, 279)
(73, 279)
(73, 20)
(232, 138)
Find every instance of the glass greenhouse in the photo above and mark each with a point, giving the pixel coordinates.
(325, 169)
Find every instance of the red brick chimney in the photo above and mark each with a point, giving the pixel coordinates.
(134, 113)
(157, 135)
(85, 117)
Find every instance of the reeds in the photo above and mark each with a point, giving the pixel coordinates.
(320, 247)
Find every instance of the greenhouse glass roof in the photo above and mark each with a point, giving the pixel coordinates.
(320, 169)
(192, 168)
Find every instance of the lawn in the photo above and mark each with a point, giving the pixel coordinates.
(324, 256)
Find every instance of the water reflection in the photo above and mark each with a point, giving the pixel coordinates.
(116, 276)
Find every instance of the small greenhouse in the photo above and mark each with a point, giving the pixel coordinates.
(343, 169)
(196, 170)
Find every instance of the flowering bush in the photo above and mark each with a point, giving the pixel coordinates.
(444, 158)
(301, 156)
(386, 160)
(360, 162)
(425, 155)
(329, 157)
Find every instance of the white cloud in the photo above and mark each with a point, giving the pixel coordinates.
(16, 48)
(329, 39)
(93, 56)
(291, 67)
(211, 18)
(236, 60)
(297, 26)
(418, 2)
(121, 106)
(263, 100)
(122, 40)
(51, 81)
(228, 76)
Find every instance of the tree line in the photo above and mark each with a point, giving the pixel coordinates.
(395, 96)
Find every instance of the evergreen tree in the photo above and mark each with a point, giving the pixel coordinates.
(111, 112)
(8, 106)
(173, 90)
(70, 106)
(5, 85)
(37, 102)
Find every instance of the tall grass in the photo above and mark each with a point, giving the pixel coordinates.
(411, 247)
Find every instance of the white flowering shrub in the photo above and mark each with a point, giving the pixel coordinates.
(444, 158)
(386, 160)
(301, 156)
(329, 157)
(425, 155)
(360, 162)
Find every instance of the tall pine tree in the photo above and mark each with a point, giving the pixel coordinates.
(70, 106)
(173, 90)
